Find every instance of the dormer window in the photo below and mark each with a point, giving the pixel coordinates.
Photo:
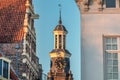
(110, 3)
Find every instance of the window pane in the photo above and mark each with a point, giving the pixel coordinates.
(109, 62)
(0, 67)
(109, 75)
(115, 69)
(115, 75)
(5, 69)
(108, 47)
(114, 47)
(109, 55)
(115, 56)
(110, 3)
(114, 40)
(108, 40)
(109, 69)
(115, 62)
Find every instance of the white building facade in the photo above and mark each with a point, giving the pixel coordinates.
(100, 39)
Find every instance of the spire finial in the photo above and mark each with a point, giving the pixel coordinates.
(60, 21)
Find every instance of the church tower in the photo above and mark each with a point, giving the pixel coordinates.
(60, 57)
(100, 39)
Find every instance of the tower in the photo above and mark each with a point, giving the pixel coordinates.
(60, 57)
(100, 37)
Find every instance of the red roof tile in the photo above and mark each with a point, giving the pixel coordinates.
(12, 14)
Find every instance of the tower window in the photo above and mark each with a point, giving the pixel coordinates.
(63, 41)
(110, 3)
(60, 42)
(55, 41)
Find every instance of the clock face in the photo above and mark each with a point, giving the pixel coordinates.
(60, 63)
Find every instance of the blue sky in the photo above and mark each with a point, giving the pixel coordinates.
(49, 16)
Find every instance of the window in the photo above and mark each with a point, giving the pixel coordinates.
(60, 42)
(111, 43)
(5, 69)
(112, 66)
(55, 41)
(111, 58)
(0, 67)
(63, 41)
(110, 3)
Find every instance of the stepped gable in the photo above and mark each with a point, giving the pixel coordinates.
(12, 14)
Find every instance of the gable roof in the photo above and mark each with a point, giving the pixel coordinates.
(12, 14)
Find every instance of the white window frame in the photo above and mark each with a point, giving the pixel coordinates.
(111, 51)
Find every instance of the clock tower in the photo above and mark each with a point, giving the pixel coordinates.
(60, 57)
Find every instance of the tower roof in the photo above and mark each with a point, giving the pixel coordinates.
(60, 50)
(12, 14)
(60, 27)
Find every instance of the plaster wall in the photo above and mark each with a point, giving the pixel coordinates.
(93, 28)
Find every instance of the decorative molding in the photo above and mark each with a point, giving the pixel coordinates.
(86, 5)
(96, 7)
(100, 4)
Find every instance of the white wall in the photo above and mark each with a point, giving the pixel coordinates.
(93, 27)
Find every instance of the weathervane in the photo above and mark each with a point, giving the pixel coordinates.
(59, 5)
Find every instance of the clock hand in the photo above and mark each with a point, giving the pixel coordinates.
(60, 64)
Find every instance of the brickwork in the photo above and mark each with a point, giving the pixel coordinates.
(11, 20)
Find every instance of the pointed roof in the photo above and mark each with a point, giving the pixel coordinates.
(12, 14)
(60, 27)
(60, 20)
